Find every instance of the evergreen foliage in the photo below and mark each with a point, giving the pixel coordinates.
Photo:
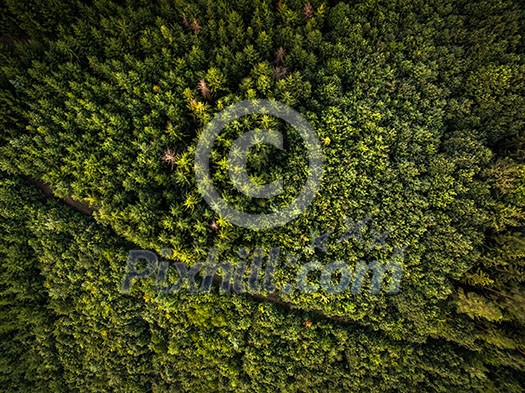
(420, 109)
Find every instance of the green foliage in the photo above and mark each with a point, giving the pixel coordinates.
(420, 110)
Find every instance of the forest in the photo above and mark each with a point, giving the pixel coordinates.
(405, 272)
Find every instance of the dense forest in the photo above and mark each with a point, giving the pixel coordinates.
(419, 108)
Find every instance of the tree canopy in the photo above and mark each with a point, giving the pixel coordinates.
(419, 107)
